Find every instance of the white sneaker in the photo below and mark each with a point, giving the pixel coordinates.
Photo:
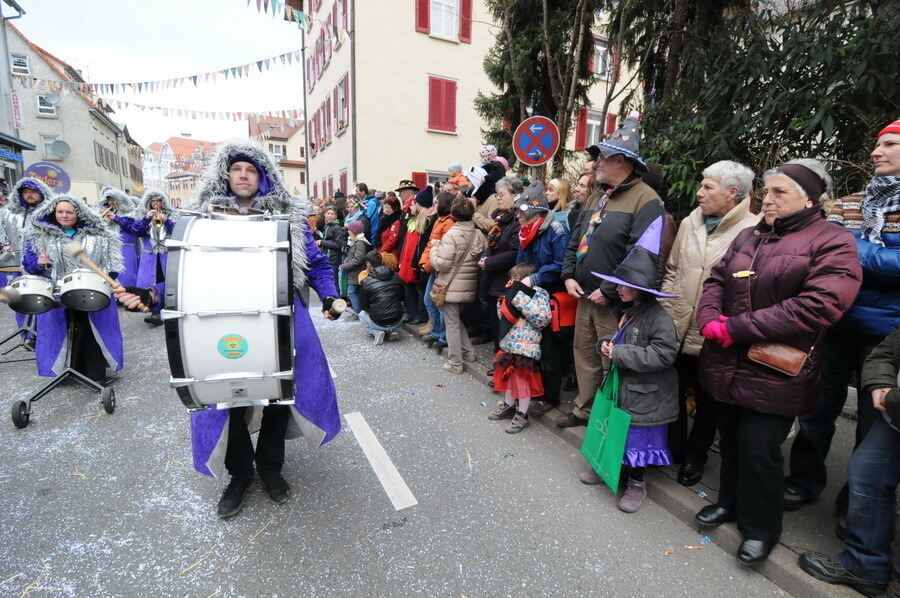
(379, 337)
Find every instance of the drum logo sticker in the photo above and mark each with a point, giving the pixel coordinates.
(232, 346)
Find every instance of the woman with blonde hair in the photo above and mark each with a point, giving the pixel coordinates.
(559, 194)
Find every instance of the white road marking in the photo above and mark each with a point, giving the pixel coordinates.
(391, 480)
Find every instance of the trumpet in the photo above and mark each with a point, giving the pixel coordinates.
(158, 219)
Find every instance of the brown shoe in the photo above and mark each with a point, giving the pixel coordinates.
(502, 411)
(518, 423)
(425, 329)
(539, 407)
(570, 420)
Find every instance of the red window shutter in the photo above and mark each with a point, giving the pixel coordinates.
(335, 100)
(435, 102)
(450, 105)
(581, 129)
(334, 14)
(593, 51)
(611, 122)
(331, 186)
(423, 16)
(420, 179)
(346, 84)
(343, 183)
(465, 21)
(346, 14)
(316, 190)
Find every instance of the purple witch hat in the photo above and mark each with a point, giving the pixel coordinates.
(638, 269)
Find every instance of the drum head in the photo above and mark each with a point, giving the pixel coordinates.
(85, 300)
(32, 304)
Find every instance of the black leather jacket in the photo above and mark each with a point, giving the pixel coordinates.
(381, 296)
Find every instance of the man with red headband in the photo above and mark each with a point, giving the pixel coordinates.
(874, 219)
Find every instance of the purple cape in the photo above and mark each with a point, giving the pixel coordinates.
(50, 348)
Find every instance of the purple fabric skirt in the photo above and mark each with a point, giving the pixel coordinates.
(647, 445)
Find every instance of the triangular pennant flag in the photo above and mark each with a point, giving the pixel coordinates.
(247, 69)
(194, 80)
(290, 57)
(258, 5)
(234, 71)
(259, 64)
(266, 5)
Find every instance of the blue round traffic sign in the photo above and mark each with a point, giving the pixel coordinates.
(536, 140)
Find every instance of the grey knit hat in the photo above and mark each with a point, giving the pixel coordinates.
(533, 200)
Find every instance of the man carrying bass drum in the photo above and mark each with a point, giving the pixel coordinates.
(242, 177)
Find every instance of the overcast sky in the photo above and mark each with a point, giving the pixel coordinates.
(119, 41)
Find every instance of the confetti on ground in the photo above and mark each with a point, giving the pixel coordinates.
(693, 547)
(174, 516)
(439, 385)
(705, 540)
(77, 474)
(700, 493)
(668, 552)
(469, 457)
(483, 404)
(509, 455)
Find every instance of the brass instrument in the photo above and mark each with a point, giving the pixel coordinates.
(158, 219)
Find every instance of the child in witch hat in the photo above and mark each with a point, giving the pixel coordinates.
(643, 349)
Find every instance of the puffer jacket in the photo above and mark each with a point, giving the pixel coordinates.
(498, 260)
(806, 275)
(876, 310)
(381, 296)
(463, 287)
(645, 357)
(532, 305)
(547, 252)
(693, 255)
(482, 217)
(440, 228)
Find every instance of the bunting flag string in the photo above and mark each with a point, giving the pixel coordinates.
(235, 72)
(302, 19)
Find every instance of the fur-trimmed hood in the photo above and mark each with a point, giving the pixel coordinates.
(214, 189)
(100, 243)
(16, 205)
(144, 205)
(124, 204)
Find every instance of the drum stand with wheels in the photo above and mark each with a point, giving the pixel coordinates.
(21, 410)
(21, 335)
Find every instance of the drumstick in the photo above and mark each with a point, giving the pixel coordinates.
(76, 250)
(9, 295)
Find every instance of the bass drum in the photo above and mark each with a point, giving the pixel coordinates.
(228, 311)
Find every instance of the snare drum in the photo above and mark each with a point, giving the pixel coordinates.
(84, 290)
(35, 294)
(228, 311)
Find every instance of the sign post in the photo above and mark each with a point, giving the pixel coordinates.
(536, 141)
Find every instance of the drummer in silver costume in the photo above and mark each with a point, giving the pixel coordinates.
(97, 339)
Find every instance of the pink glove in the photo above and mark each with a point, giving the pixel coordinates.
(711, 331)
(718, 332)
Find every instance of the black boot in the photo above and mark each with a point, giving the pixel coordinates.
(276, 487)
(232, 500)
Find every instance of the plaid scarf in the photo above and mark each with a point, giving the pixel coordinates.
(501, 217)
(882, 196)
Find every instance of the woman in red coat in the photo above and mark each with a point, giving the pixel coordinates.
(786, 280)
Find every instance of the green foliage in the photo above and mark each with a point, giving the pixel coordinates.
(766, 87)
(524, 66)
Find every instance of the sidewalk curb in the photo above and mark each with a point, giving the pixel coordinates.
(781, 568)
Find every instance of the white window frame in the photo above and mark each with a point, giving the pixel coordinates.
(595, 128)
(46, 110)
(602, 59)
(19, 70)
(444, 19)
(47, 151)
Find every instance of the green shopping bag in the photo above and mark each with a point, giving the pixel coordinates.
(607, 430)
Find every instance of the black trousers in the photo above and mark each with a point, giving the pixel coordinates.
(87, 357)
(269, 456)
(556, 359)
(693, 448)
(752, 476)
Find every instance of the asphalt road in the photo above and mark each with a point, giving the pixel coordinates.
(109, 505)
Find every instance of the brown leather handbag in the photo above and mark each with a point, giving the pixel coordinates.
(780, 357)
(439, 289)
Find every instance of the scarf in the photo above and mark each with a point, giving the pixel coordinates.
(500, 217)
(528, 232)
(596, 218)
(882, 196)
(711, 223)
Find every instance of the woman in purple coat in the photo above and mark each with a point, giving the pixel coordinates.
(97, 340)
(115, 207)
(784, 281)
(153, 221)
